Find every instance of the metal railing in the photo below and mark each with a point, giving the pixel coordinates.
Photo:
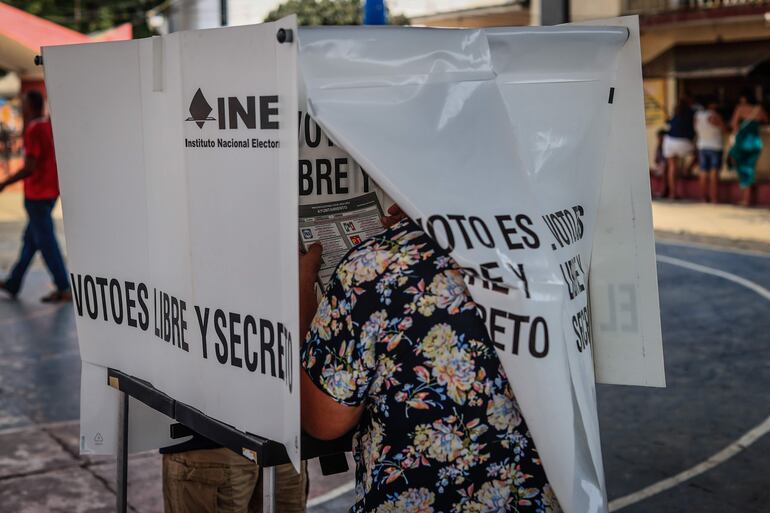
(662, 6)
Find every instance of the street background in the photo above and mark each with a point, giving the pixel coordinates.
(700, 445)
(717, 368)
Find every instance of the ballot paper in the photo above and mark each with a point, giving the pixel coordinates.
(339, 226)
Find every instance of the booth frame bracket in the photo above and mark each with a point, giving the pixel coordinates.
(267, 453)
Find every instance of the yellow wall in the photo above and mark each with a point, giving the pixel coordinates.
(581, 10)
(471, 20)
(656, 40)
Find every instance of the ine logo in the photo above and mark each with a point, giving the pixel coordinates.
(231, 111)
(200, 109)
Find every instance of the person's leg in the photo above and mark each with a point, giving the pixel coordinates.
(671, 176)
(692, 155)
(28, 249)
(703, 184)
(208, 481)
(714, 179)
(746, 196)
(290, 491)
(703, 172)
(45, 237)
(747, 167)
(240, 487)
(190, 483)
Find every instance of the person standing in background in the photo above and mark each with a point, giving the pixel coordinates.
(5, 148)
(41, 190)
(677, 143)
(710, 129)
(747, 147)
(658, 169)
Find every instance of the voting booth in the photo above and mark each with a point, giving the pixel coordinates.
(192, 166)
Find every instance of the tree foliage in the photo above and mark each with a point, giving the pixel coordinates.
(326, 12)
(89, 16)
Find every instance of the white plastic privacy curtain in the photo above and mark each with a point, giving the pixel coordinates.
(494, 141)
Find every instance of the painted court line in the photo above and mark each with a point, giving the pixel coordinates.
(716, 272)
(731, 450)
(710, 247)
(332, 494)
(713, 461)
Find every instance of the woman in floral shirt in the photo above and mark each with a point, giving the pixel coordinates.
(397, 347)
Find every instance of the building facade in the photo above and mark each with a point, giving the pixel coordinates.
(203, 14)
(703, 48)
(693, 48)
(489, 13)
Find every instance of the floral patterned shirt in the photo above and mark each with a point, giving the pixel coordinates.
(398, 333)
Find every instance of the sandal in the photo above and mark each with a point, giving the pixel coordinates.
(4, 288)
(58, 296)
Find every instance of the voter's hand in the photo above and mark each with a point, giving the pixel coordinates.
(395, 214)
(310, 263)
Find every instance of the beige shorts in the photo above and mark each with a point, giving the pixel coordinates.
(220, 481)
(677, 147)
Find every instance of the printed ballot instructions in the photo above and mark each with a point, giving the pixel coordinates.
(339, 226)
(518, 150)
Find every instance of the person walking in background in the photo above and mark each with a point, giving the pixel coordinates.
(747, 147)
(658, 169)
(710, 128)
(41, 190)
(5, 148)
(677, 143)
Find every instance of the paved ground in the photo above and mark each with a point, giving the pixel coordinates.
(717, 361)
(718, 371)
(40, 469)
(717, 352)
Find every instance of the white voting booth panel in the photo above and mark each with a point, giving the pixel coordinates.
(177, 159)
(511, 147)
(496, 142)
(625, 320)
(99, 418)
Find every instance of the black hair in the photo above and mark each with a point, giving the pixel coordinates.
(747, 93)
(682, 107)
(35, 100)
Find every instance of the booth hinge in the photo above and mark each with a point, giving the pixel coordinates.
(285, 35)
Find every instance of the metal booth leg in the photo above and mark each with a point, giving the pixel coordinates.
(122, 463)
(268, 490)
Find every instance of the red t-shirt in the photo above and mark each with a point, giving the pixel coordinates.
(43, 183)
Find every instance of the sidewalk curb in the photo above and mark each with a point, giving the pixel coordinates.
(750, 247)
